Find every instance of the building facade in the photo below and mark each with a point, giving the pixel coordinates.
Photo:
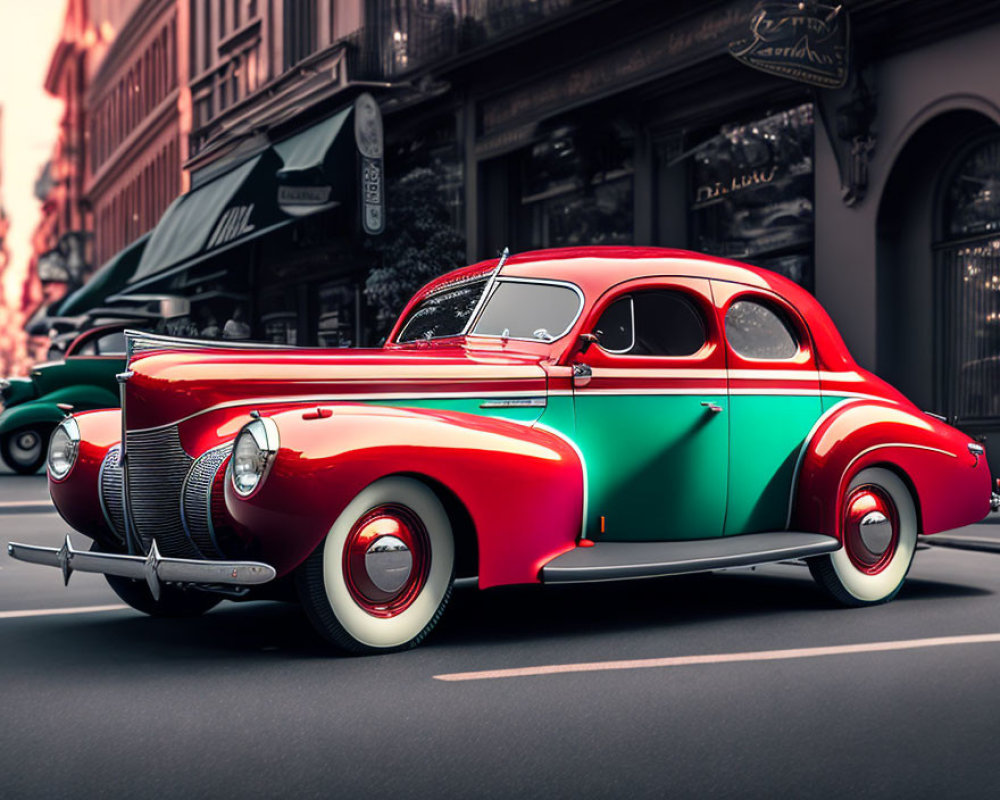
(134, 99)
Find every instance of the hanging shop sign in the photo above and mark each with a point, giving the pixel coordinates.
(803, 41)
(368, 134)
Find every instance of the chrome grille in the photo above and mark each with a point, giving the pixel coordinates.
(157, 466)
(196, 500)
(112, 491)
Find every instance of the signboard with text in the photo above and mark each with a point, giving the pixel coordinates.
(368, 134)
(802, 41)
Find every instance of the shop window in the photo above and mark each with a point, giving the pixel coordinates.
(653, 323)
(756, 331)
(752, 193)
(338, 307)
(968, 266)
(576, 187)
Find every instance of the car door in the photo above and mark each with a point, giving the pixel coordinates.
(651, 413)
(774, 402)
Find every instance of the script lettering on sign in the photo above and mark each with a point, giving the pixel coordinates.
(231, 225)
(802, 41)
(748, 180)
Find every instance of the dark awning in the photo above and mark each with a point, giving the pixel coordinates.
(318, 166)
(107, 280)
(226, 210)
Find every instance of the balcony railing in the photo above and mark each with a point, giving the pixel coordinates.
(414, 33)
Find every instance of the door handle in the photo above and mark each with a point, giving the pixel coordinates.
(710, 406)
(582, 373)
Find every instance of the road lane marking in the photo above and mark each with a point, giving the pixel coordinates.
(54, 612)
(21, 506)
(722, 658)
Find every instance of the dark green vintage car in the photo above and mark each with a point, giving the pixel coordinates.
(83, 380)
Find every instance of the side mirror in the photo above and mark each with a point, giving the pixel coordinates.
(586, 340)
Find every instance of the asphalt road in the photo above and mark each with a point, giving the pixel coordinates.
(246, 701)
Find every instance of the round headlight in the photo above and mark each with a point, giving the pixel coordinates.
(63, 448)
(255, 446)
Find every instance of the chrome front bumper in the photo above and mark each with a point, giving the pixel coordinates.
(153, 568)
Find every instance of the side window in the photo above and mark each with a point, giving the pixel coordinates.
(756, 331)
(652, 323)
(88, 349)
(111, 344)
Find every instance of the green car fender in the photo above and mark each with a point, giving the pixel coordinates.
(45, 410)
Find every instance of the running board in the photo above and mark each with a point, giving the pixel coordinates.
(612, 561)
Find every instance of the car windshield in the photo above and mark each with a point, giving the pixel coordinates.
(444, 313)
(541, 312)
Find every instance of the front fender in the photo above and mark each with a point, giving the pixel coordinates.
(45, 410)
(77, 496)
(951, 487)
(522, 486)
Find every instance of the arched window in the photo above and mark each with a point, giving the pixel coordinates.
(968, 265)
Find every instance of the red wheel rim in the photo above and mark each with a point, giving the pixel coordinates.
(386, 560)
(871, 528)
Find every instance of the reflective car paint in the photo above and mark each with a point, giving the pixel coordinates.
(529, 475)
(76, 497)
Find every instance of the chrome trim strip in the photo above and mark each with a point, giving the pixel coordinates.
(518, 402)
(153, 568)
(140, 341)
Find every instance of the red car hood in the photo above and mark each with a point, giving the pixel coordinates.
(168, 386)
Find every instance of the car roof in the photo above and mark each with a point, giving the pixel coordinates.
(596, 269)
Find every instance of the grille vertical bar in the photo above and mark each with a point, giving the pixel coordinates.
(155, 469)
(196, 500)
(111, 489)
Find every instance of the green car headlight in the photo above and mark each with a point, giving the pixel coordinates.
(255, 447)
(64, 446)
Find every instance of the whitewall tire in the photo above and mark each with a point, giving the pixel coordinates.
(382, 577)
(878, 526)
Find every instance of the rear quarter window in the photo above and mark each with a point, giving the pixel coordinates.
(756, 330)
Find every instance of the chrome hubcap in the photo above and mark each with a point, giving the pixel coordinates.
(389, 562)
(870, 528)
(26, 447)
(876, 532)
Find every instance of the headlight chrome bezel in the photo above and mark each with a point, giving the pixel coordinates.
(261, 434)
(70, 429)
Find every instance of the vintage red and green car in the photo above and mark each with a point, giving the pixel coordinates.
(33, 406)
(557, 416)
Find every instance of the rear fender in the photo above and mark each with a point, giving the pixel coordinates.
(522, 487)
(951, 486)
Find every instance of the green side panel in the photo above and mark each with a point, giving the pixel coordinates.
(656, 466)
(767, 434)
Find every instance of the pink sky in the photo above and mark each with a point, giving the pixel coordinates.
(28, 34)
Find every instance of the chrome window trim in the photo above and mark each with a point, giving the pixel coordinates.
(540, 281)
(631, 308)
(487, 277)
